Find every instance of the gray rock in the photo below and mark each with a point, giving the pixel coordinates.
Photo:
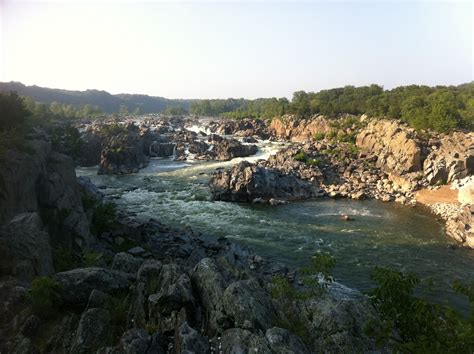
(282, 341)
(77, 284)
(136, 251)
(97, 299)
(246, 182)
(210, 286)
(242, 341)
(24, 248)
(127, 263)
(93, 331)
(135, 341)
(191, 341)
(248, 305)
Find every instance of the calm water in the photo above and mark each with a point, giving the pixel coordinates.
(388, 234)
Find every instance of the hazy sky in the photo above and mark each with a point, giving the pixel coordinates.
(240, 49)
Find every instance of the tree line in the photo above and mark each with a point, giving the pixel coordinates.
(440, 108)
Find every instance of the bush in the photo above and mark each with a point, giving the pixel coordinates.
(13, 111)
(319, 136)
(422, 326)
(45, 297)
(301, 156)
(103, 217)
(64, 259)
(118, 306)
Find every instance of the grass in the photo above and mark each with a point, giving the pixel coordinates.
(45, 297)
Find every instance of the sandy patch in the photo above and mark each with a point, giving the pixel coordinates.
(444, 194)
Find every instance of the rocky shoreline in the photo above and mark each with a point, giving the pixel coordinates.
(145, 288)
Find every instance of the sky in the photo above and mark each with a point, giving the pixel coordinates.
(234, 49)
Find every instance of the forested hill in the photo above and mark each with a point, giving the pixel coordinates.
(105, 101)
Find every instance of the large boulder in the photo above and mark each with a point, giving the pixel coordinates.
(246, 182)
(123, 151)
(226, 148)
(451, 158)
(298, 130)
(24, 248)
(93, 331)
(77, 284)
(395, 145)
(248, 306)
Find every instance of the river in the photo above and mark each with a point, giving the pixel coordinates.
(384, 234)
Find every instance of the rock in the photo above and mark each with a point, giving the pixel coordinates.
(244, 127)
(226, 148)
(89, 189)
(210, 286)
(31, 325)
(77, 284)
(246, 182)
(135, 341)
(452, 159)
(292, 128)
(135, 251)
(249, 140)
(93, 331)
(190, 341)
(394, 144)
(127, 263)
(236, 340)
(282, 341)
(198, 147)
(97, 299)
(248, 305)
(24, 248)
(173, 295)
(122, 152)
(158, 149)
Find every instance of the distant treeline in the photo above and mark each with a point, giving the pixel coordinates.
(105, 101)
(440, 108)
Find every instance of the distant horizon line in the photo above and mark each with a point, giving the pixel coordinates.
(231, 97)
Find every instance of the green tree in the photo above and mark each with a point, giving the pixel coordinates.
(13, 111)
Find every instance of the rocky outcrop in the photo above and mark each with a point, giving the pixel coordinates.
(123, 152)
(451, 158)
(395, 146)
(40, 180)
(25, 252)
(248, 182)
(226, 148)
(244, 128)
(292, 128)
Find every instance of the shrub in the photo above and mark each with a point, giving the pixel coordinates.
(64, 259)
(93, 259)
(301, 156)
(45, 297)
(103, 217)
(118, 306)
(319, 136)
(422, 326)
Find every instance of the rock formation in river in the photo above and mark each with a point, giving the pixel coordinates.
(246, 182)
(123, 152)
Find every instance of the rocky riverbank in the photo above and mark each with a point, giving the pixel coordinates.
(357, 158)
(125, 286)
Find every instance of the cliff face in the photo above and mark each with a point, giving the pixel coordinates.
(298, 130)
(42, 181)
(396, 147)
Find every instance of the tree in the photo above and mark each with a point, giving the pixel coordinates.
(13, 111)
(123, 110)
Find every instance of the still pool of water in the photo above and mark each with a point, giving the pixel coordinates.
(384, 234)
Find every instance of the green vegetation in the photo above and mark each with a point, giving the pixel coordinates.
(64, 259)
(66, 139)
(414, 324)
(316, 276)
(103, 217)
(175, 111)
(302, 157)
(440, 108)
(118, 306)
(45, 297)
